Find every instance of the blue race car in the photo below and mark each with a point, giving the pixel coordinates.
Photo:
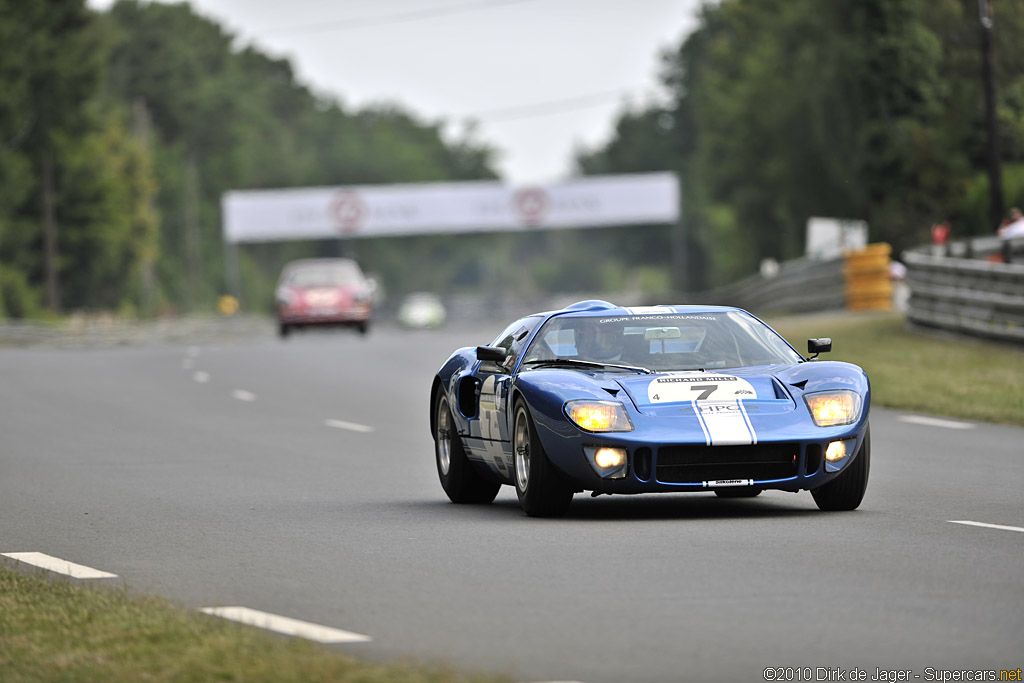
(606, 399)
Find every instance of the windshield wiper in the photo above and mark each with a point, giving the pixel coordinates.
(576, 362)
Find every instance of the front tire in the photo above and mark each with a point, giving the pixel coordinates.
(542, 491)
(283, 329)
(846, 491)
(458, 478)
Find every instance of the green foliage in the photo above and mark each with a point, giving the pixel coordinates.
(108, 227)
(786, 109)
(17, 299)
(150, 113)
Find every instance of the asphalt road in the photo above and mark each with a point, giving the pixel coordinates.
(297, 478)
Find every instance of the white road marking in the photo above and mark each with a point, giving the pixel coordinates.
(285, 625)
(351, 426)
(187, 363)
(243, 395)
(935, 422)
(193, 351)
(987, 526)
(55, 564)
(201, 377)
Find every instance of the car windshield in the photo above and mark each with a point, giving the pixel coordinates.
(325, 275)
(663, 342)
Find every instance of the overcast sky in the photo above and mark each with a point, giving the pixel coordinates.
(542, 77)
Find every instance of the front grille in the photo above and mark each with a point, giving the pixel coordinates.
(696, 464)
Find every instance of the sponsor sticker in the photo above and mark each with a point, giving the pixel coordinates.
(717, 401)
(698, 386)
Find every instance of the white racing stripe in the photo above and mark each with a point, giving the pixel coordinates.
(285, 625)
(55, 564)
(725, 423)
(243, 395)
(987, 526)
(350, 426)
(935, 422)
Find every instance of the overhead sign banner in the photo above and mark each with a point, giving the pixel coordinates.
(477, 206)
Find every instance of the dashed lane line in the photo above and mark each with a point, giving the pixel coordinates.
(188, 363)
(243, 395)
(55, 564)
(987, 526)
(286, 625)
(350, 426)
(201, 377)
(935, 422)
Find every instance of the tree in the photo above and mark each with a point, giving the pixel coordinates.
(786, 109)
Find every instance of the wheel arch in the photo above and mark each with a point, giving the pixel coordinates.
(435, 388)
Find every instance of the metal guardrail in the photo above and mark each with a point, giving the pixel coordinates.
(968, 295)
(800, 286)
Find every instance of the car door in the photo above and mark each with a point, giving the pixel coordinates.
(491, 432)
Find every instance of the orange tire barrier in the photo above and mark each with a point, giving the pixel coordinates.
(866, 276)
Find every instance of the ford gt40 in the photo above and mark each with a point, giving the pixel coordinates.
(613, 400)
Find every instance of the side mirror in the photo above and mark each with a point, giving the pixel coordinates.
(821, 345)
(493, 353)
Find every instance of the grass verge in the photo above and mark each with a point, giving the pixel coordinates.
(926, 373)
(57, 630)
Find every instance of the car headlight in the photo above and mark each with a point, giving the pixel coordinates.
(608, 462)
(832, 408)
(599, 416)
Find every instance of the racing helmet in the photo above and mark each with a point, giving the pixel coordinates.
(598, 339)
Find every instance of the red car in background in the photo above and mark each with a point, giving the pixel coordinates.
(321, 292)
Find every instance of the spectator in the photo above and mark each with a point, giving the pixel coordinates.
(1014, 226)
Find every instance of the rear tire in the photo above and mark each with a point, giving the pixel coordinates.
(458, 478)
(542, 491)
(846, 491)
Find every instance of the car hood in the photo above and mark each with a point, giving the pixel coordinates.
(663, 393)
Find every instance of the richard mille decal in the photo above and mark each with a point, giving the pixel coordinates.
(716, 400)
(698, 386)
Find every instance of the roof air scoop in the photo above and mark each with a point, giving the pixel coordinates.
(590, 305)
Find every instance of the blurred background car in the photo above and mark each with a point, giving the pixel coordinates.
(323, 292)
(421, 310)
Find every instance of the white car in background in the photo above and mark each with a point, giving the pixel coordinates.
(421, 310)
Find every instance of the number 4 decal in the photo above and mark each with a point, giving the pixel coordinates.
(705, 389)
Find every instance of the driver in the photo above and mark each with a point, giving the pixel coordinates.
(597, 340)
